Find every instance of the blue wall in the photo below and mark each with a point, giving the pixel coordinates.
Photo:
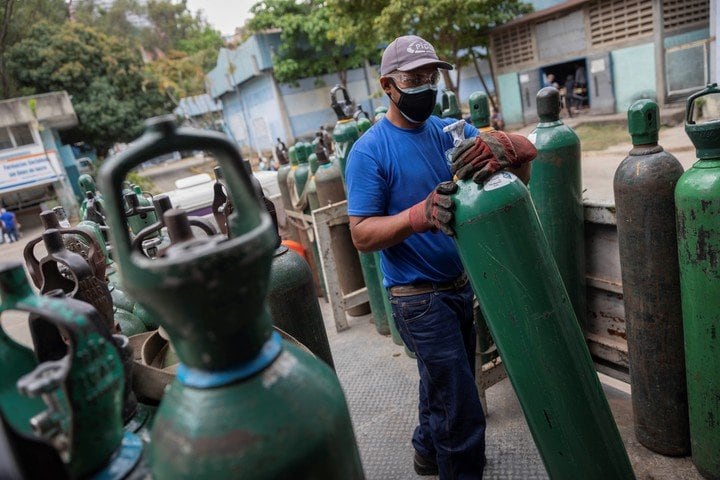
(633, 70)
(251, 114)
(510, 101)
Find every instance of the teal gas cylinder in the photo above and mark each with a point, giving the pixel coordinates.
(556, 189)
(450, 107)
(479, 111)
(73, 403)
(244, 403)
(297, 181)
(644, 186)
(362, 118)
(697, 203)
(346, 129)
(293, 303)
(529, 314)
(87, 184)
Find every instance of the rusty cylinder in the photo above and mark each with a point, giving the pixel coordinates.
(330, 189)
(644, 197)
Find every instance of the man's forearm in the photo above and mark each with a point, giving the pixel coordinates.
(370, 234)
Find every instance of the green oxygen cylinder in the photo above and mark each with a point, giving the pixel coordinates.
(362, 118)
(450, 107)
(644, 186)
(345, 134)
(437, 110)
(346, 130)
(330, 190)
(293, 303)
(244, 403)
(87, 184)
(697, 203)
(73, 403)
(313, 202)
(479, 111)
(379, 113)
(529, 314)
(284, 157)
(556, 189)
(297, 184)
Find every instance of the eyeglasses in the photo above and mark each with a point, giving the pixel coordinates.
(412, 80)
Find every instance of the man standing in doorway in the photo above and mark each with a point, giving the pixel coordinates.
(399, 200)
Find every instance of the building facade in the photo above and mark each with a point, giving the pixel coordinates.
(35, 166)
(624, 50)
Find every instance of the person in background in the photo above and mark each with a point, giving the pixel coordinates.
(496, 120)
(10, 225)
(399, 187)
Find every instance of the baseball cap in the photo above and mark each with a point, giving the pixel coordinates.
(408, 53)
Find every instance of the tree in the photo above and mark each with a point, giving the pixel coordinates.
(182, 45)
(112, 91)
(16, 19)
(452, 26)
(305, 48)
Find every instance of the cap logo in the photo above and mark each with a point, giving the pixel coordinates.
(420, 46)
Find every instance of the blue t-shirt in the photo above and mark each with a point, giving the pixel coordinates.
(8, 218)
(390, 169)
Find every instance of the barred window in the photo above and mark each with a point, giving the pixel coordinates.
(513, 45)
(684, 13)
(613, 21)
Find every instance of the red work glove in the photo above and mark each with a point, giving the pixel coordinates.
(480, 157)
(435, 212)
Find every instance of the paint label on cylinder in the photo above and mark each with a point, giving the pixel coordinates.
(532, 137)
(499, 180)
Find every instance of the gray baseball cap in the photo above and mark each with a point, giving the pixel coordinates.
(408, 53)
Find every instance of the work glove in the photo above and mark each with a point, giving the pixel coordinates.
(481, 156)
(436, 211)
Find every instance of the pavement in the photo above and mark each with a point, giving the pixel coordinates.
(380, 382)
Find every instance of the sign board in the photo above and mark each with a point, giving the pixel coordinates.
(27, 171)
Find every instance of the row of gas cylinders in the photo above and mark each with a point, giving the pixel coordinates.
(239, 370)
(668, 234)
(668, 225)
(241, 395)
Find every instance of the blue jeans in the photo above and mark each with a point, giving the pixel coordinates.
(438, 328)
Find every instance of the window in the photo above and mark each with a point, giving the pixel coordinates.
(22, 134)
(16, 136)
(513, 46)
(685, 13)
(613, 21)
(5, 140)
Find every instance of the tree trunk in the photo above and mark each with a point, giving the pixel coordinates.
(482, 80)
(449, 84)
(6, 20)
(342, 75)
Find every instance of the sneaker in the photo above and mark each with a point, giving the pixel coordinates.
(424, 466)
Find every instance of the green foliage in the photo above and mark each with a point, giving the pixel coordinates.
(306, 50)
(16, 19)
(112, 91)
(452, 26)
(182, 45)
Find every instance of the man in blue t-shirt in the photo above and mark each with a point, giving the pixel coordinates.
(9, 225)
(399, 200)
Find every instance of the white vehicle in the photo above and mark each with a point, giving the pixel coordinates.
(194, 194)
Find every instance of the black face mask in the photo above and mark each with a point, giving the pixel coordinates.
(416, 104)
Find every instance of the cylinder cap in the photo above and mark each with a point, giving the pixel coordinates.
(644, 122)
(479, 111)
(548, 104)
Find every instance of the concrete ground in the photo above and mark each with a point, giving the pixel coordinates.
(380, 381)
